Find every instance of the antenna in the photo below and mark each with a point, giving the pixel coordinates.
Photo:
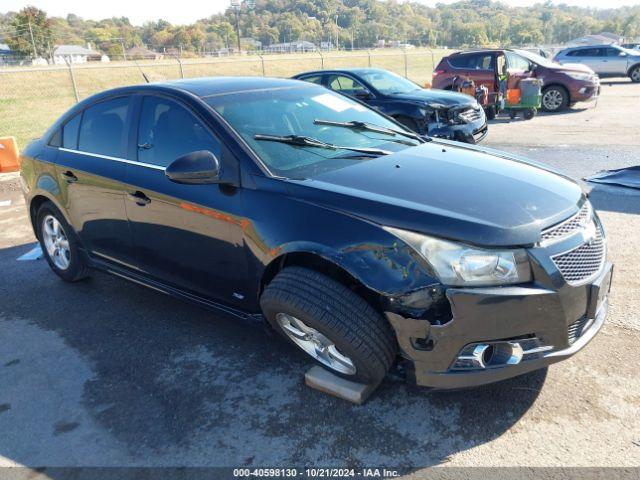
(146, 79)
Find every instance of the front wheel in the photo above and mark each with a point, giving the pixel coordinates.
(330, 323)
(529, 113)
(554, 99)
(634, 74)
(59, 244)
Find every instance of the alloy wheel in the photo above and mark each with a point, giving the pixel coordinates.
(552, 99)
(635, 75)
(56, 242)
(315, 344)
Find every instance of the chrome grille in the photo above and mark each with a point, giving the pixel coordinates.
(569, 226)
(582, 263)
(576, 329)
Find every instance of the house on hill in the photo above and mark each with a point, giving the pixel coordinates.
(63, 54)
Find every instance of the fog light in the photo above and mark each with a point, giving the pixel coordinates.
(583, 90)
(479, 356)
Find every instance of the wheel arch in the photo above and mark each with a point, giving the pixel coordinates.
(630, 69)
(36, 202)
(325, 263)
(558, 84)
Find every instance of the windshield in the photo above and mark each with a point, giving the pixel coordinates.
(388, 82)
(294, 111)
(534, 57)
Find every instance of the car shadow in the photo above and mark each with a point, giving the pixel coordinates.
(139, 378)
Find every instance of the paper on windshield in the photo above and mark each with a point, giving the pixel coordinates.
(335, 103)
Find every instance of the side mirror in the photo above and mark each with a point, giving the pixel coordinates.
(363, 94)
(195, 168)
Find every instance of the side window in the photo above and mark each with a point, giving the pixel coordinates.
(102, 128)
(459, 61)
(479, 61)
(613, 52)
(516, 62)
(313, 79)
(346, 85)
(70, 132)
(168, 130)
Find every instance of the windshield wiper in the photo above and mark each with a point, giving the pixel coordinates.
(370, 127)
(302, 141)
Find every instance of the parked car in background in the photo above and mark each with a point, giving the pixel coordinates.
(437, 113)
(563, 85)
(359, 241)
(632, 46)
(605, 60)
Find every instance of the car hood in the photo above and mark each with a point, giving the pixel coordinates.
(572, 67)
(436, 96)
(467, 194)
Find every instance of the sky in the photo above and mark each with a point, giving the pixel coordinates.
(189, 11)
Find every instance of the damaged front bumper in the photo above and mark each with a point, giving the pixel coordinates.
(540, 325)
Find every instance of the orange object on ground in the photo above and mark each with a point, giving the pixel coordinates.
(427, 85)
(9, 155)
(513, 96)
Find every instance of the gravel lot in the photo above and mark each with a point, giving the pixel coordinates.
(107, 373)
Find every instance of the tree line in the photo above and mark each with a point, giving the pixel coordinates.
(347, 23)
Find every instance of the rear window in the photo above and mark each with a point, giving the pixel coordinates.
(313, 79)
(478, 61)
(102, 128)
(70, 132)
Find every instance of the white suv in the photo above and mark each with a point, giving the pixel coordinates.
(605, 60)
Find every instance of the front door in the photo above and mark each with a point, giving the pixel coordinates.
(518, 68)
(91, 166)
(188, 236)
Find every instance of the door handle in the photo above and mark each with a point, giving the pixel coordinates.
(144, 146)
(69, 176)
(139, 197)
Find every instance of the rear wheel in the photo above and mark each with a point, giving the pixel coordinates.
(333, 325)
(554, 98)
(634, 74)
(59, 244)
(529, 113)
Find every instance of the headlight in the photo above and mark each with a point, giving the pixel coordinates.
(580, 76)
(459, 264)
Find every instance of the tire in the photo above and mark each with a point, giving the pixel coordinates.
(76, 268)
(354, 328)
(490, 112)
(555, 98)
(513, 114)
(408, 122)
(529, 114)
(634, 74)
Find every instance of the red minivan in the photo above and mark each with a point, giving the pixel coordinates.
(563, 85)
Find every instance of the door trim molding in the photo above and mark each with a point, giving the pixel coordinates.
(115, 159)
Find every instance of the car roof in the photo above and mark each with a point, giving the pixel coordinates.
(355, 71)
(583, 47)
(210, 86)
(481, 50)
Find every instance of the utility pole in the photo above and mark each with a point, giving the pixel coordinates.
(337, 31)
(124, 52)
(33, 43)
(235, 4)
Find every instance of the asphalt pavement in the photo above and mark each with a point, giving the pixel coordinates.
(108, 373)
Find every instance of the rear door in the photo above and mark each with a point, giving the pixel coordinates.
(479, 67)
(91, 165)
(189, 236)
(592, 57)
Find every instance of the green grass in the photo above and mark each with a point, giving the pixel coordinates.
(32, 99)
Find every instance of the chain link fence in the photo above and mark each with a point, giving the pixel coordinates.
(32, 98)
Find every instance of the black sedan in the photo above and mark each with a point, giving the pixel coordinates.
(364, 244)
(437, 113)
